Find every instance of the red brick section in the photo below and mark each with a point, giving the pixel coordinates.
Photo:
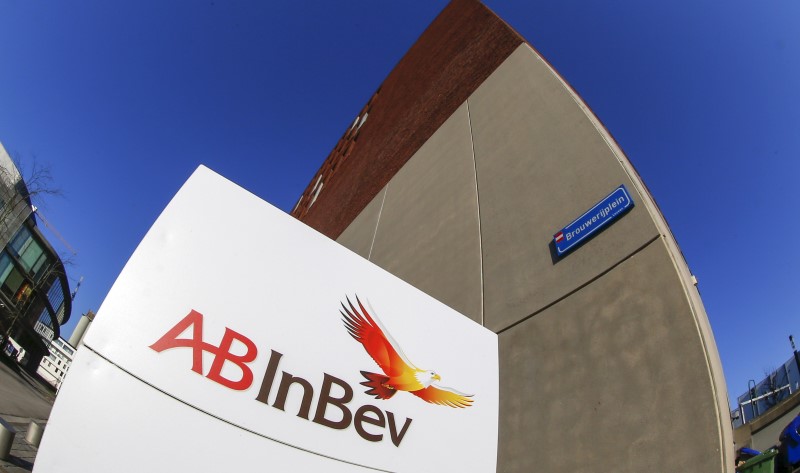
(454, 55)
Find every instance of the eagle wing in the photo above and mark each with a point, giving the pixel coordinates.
(378, 343)
(444, 396)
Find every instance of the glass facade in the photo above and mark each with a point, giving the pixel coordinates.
(56, 296)
(767, 393)
(24, 263)
(30, 253)
(11, 279)
(33, 288)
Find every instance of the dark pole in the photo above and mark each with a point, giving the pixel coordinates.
(796, 355)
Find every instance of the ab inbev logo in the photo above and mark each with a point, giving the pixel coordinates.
(330, 411)
(279, 364)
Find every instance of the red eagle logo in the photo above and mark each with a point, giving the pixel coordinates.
(399, 374)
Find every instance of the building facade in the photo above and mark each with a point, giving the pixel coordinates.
(54, 366)
(455, 176)
(34, 291)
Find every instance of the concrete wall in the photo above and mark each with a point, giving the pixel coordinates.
(768, 436)
(607, 361)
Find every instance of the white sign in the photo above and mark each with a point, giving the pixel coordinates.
(238, 338)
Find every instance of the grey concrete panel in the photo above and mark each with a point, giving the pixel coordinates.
(358, 236)
(610, 379)
(541, 163)
(768, 435)
(428, 234)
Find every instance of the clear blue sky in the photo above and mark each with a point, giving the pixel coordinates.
(124, 99)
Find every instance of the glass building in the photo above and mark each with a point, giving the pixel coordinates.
(34, 292)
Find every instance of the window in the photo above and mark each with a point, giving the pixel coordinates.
(24, 292)
(56, 297)
(11, 281)
(5, 266)
(363, 119)
(316, 190)
(30, 252)
(21, 239)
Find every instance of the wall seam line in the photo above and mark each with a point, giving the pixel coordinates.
(377, 222)
(590, 281)
(478, 206)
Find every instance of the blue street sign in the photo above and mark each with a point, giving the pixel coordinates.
(594, 219)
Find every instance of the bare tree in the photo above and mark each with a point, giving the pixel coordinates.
(20, 193)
